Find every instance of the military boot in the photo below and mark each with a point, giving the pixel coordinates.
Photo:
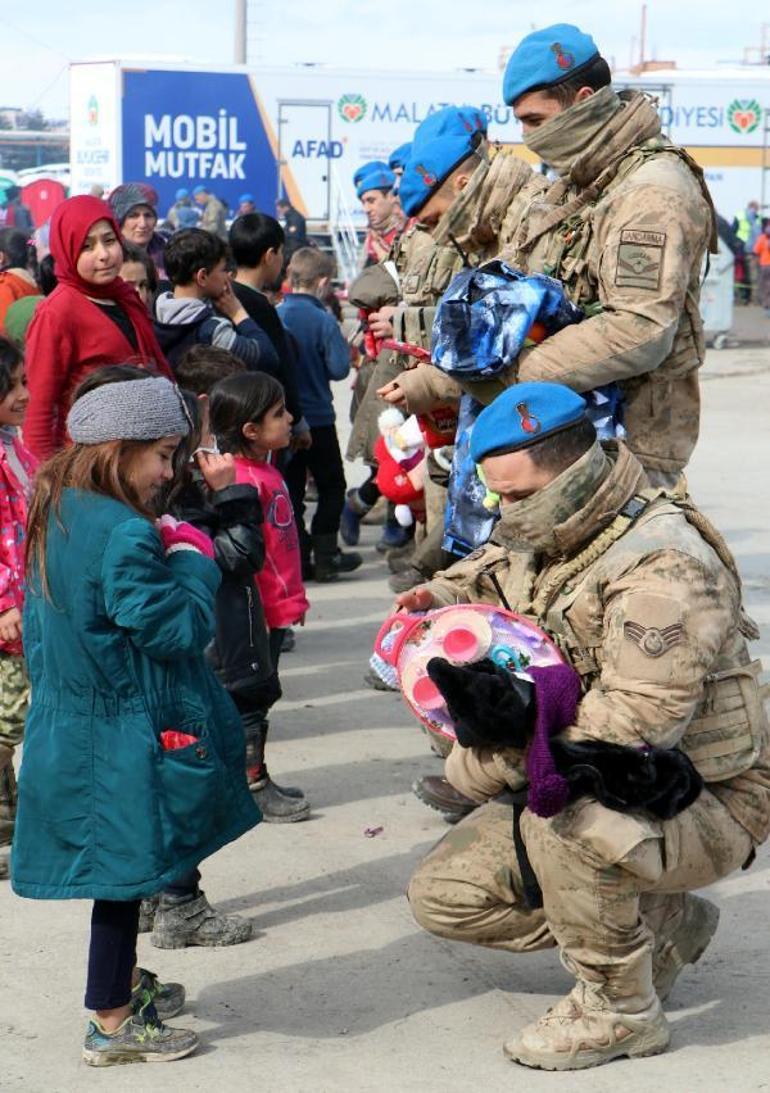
(683, 942)
(329, 562)
(441, 796)
(587, 1028)
(183, 920)
(407, 578)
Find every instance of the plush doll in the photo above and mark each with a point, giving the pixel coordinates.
(492, 707)
(400, 454)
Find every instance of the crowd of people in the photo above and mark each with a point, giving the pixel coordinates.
(526, 397)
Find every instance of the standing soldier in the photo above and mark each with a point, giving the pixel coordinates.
(625, 228)
(375, 190)
(461, 199)
(666, 720)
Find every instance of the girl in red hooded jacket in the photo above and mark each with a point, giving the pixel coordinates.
(92, 318)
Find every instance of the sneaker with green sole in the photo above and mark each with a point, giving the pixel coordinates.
(167, 998)
(141, 1038)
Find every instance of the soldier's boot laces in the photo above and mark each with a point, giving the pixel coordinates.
(180, 922)
(685, 944)
(586, 1029)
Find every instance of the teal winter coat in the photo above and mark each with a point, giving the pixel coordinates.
(115, 656)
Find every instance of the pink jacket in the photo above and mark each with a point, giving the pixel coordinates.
(280, 579)
(13, 526)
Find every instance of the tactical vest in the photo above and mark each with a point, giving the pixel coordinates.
(567, 242)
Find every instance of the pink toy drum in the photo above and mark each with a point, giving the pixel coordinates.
(462, 635)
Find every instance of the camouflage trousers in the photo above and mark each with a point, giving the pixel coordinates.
(14, 698)
(611, 882)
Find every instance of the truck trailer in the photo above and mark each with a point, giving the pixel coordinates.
(302, 132)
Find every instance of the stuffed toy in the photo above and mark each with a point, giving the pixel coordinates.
(492, 707)
(400, 455)
(488, 705)
(662, 781)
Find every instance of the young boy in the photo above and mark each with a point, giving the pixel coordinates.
(17, 467)
(324, 355)
(203, 309)
(256, 244)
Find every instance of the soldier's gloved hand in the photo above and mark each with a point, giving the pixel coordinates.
(662, 781)
(489, 706)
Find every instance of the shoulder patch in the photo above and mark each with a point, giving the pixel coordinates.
(651, 640)
(646, 637)
(640, 259)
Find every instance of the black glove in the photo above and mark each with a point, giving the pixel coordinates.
(662, 781)
(489, 706)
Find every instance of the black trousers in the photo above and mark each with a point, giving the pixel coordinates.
(324, 462)
(112, 953)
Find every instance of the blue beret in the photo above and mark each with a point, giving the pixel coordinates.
(454, 120)
(365, 168)
(199, 190)
(398, 158)
(377, 179)
(181, 194)
(547, 57)
(522, 415)
(244, 198)
(430, 163)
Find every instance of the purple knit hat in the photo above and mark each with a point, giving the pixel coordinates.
(557, 693)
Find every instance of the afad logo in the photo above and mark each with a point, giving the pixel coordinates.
(93, 111)
(351, 107)
(744, 115)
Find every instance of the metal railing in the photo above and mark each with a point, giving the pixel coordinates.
(342, 230)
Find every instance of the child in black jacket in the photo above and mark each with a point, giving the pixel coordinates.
(231, 515)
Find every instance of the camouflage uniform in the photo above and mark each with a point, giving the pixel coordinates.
(648, 610)
(14, 699)
(626, 233)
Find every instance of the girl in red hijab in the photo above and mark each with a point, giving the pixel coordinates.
(92, 318)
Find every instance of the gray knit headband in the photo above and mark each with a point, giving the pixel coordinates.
(145, 409)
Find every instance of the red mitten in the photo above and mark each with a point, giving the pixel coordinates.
(179, 536)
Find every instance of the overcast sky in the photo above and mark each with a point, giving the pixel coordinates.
(41, 38)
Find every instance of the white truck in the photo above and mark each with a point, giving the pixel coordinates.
(303, 131)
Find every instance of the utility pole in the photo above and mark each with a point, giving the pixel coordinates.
(643, 39)
(241, 8)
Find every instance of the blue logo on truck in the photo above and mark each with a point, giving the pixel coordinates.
(191, 128)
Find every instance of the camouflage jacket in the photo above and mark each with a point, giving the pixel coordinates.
(626, 233)
(647, 607)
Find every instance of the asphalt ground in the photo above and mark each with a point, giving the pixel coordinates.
(340, 991)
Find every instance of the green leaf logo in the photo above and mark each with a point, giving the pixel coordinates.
(744, 115)
(352, 107)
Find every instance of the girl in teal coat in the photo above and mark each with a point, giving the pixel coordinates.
(133, 768)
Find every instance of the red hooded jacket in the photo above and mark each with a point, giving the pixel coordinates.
(70, 336)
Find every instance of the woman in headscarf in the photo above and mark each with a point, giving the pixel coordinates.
(135, 205)
(92, 318)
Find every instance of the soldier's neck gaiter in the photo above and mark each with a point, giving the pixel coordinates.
(530, 524)
(560, 141)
